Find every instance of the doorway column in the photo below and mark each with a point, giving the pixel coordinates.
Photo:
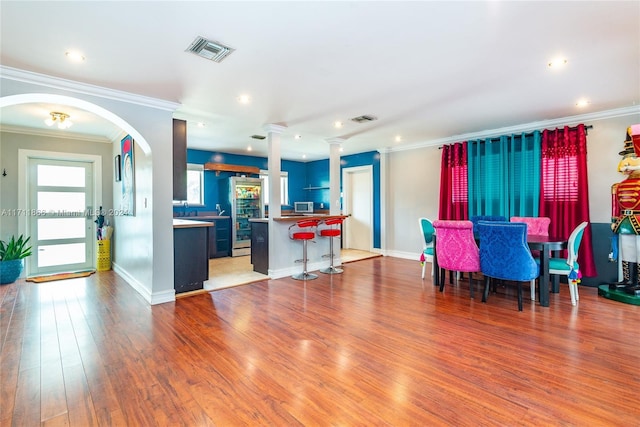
(274, 161)
(334, 175)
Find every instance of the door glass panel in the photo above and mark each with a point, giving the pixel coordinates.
(55, 176)
(61, 228)
(53, 201)
(72, 253)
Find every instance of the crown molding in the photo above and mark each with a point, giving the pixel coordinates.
(57, 134)
(528, 127)
(86, 89)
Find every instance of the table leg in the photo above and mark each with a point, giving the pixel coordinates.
(544, 278)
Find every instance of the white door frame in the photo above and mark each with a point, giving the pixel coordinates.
(23, 190)
(347, 199)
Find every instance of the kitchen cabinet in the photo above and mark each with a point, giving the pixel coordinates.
(190, 255)
(260, 245)
(223, 237)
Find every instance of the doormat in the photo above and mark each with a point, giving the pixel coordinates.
(60, 276)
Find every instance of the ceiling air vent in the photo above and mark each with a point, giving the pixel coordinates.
(258, 137)
(363, 119)
(208, 49)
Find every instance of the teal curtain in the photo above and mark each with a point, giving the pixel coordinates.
(504, 175)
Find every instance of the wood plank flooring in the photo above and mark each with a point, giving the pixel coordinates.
(375, 345)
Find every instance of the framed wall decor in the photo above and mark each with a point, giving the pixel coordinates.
(117, 168)
(127, 203)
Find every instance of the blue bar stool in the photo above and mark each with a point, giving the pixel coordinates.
(304, 230)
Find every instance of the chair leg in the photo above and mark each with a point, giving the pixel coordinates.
(533, 290)
(487, 283)
(424, 265)
(304, 275)
(519, 296)
(471, 284)
(442, 274)
(335, 270)
(573, 292)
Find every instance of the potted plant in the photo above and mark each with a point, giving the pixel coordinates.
(12, 254)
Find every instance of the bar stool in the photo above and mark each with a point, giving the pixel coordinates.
(330, 228)
(304, 230)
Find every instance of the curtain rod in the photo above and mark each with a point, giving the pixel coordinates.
(586, 131)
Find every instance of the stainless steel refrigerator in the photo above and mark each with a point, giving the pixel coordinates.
(245, 202)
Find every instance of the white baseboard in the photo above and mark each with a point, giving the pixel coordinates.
(151, 298)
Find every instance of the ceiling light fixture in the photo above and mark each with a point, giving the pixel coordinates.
(298, 136)
(244, 99)
(583, 103)
(398, 138)
(337, 124)
(74, 56)
(61, 119)
(201, 125)
(557, 63)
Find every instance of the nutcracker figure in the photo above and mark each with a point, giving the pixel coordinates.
(625, 211)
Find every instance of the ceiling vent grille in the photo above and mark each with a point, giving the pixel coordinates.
(258, 137)
(210, 50)
(364, 119)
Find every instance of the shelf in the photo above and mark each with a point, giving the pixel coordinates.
(219, 167)
(316, 188)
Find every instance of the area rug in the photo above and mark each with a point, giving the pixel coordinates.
(61, 276)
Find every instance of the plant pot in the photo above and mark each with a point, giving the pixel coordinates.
(10, 271)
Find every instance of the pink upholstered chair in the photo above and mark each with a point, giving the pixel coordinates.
(536, 226)
(456, 249)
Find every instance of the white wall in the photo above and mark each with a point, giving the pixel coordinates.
(144, 242)
(414, 184)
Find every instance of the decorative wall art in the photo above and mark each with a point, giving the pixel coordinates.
(127, 203)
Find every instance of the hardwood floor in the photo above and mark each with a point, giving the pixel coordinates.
(373, 346)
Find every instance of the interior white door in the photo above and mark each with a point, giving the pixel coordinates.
(358, 192)
(60, 221)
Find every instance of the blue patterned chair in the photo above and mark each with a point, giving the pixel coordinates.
(474, 219)
(505, 255)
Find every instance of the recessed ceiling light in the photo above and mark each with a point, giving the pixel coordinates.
(557, 63)
(74, 56)
(337, 124)
(304, 156)
(249, 148)
(244, 99)
(398, 138)
(583, 103)
(200, 125)
(298, 136)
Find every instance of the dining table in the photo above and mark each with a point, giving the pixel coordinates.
(546, 245)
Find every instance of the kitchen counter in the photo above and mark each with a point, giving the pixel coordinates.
(188, 223)
(308, 216)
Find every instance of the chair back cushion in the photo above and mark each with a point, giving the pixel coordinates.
(504, 253)
(427, 230)
(474, 219)
(536, 226)
(456, 247)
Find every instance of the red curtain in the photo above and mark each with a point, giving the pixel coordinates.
(454, 203)
(564, 192)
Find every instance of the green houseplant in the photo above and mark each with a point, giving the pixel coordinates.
(12, 254)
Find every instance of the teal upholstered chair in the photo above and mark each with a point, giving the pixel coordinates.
(427, 230)
(567, 266)
(505, 255)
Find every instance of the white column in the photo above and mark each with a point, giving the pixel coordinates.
(334, 175)
(274, 164)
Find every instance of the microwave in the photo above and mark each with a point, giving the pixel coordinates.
(303, 207)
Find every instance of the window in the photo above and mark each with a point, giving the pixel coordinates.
(284, 187)
(195, 184)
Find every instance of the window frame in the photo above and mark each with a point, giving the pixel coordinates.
(284, 187)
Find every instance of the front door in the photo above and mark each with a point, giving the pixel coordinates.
(60, 221)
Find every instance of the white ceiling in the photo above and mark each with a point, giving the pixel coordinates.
(428, 70)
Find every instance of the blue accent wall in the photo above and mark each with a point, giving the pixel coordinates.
(301, 175)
